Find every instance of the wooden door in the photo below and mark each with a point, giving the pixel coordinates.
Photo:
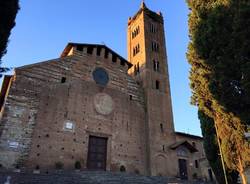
(97, 153)
(183, 169)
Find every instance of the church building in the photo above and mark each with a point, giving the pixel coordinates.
(96, 108)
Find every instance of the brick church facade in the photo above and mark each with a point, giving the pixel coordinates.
(94, 107)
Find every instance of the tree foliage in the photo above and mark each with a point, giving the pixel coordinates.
(212, 150)
(8, 11)
(219, 55)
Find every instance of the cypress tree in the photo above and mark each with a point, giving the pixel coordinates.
(219, 55)
(8, 11)
(212, 150)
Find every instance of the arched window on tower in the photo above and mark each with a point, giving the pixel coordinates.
(135, 32)
(153, 28)
(136, 49)
(155, 46)
(161, 126)
(156, 65)
(136, 68)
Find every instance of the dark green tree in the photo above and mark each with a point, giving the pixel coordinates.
(212, 150)
(8, 11)
(220, 74)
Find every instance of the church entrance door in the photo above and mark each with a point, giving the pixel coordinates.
(97, 153)
(183, 169)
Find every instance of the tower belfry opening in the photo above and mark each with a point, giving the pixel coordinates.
(151, 40)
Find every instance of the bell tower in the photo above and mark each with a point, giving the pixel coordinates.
(147, 52)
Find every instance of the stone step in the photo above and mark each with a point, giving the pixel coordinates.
(85, 177)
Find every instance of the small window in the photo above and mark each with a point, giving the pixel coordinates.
(155, 46)
(136, 49)
(79, 48)
(106, 54)
(163, 147)
(156, 65)
(114, 58)
(90, 50)
(98, 51)
(157, 84)
(122, 62)
(63, 79)
(196, 164)
(153, 28)
(161, 125)
(135, 32)
(136, 68)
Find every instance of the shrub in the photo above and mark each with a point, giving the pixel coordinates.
(78, 165)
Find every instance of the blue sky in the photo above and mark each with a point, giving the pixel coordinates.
(44, 27)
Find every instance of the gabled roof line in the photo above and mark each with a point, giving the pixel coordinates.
(71, 44)
(189, 135)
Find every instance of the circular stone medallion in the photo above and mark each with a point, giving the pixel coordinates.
(103, 103)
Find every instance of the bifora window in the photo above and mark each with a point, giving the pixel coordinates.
(156, 66)
(136, 49)
(135, 32)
